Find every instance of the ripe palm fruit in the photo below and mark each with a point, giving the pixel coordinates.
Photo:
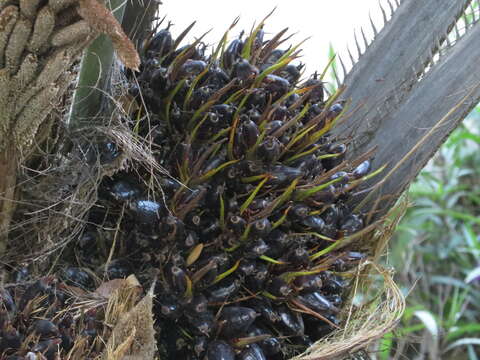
(236, 320)
(38, 317)
(255, 199)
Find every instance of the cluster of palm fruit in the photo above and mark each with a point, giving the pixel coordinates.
(242, 237)
(36, 321)
(242, 234)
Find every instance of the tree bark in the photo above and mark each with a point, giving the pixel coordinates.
(397, 108)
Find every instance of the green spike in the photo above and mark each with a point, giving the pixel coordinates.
(222, 213)
(252, 195)
(273, 261)
(226, 273)
(325, 251)
(303, 194)
(212, 172)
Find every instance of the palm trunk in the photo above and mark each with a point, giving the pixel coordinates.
(398, 108)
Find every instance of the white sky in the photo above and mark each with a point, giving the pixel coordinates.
(325, 21)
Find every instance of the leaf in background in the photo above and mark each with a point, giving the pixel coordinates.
(447, 280)
(462, 330)
(473, 275)
(465, 135)
(430, 323)
(463, 342)
(386, 346)
(332, 85)
(472, 240)
(472, 353)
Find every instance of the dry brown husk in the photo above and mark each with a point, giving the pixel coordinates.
(133, 334)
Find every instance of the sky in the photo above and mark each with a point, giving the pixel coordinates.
(325, 22)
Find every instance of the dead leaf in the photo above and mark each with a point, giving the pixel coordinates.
(194, 254)
(123, 348)
(102, 20)
(139, 322)
(106, 289)
(128, 104)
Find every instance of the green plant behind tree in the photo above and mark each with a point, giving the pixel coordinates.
(437, 254)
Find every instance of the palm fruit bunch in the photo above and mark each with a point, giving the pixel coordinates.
(38, 320)
(244, 236)
(68, 315)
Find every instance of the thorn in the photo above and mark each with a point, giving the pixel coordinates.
(390, 5)
(364, 38)
(359, 50)
(457, 32)
(384, 14)
(439, 43)
(431, 56)
(416, 74)
(351, 57)
(447, 39)
(441, 52)
(375, 32)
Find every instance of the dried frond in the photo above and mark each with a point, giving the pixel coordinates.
(130, 286)
(70, 34)
(17, 43)
(28, 8)
(59, 5)
(139, 321)
(44, 24)
(33, 115)
(26, 73)
(8, 19)
(53, 69)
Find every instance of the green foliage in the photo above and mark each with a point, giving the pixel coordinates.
(333, 76)
(436, 253)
